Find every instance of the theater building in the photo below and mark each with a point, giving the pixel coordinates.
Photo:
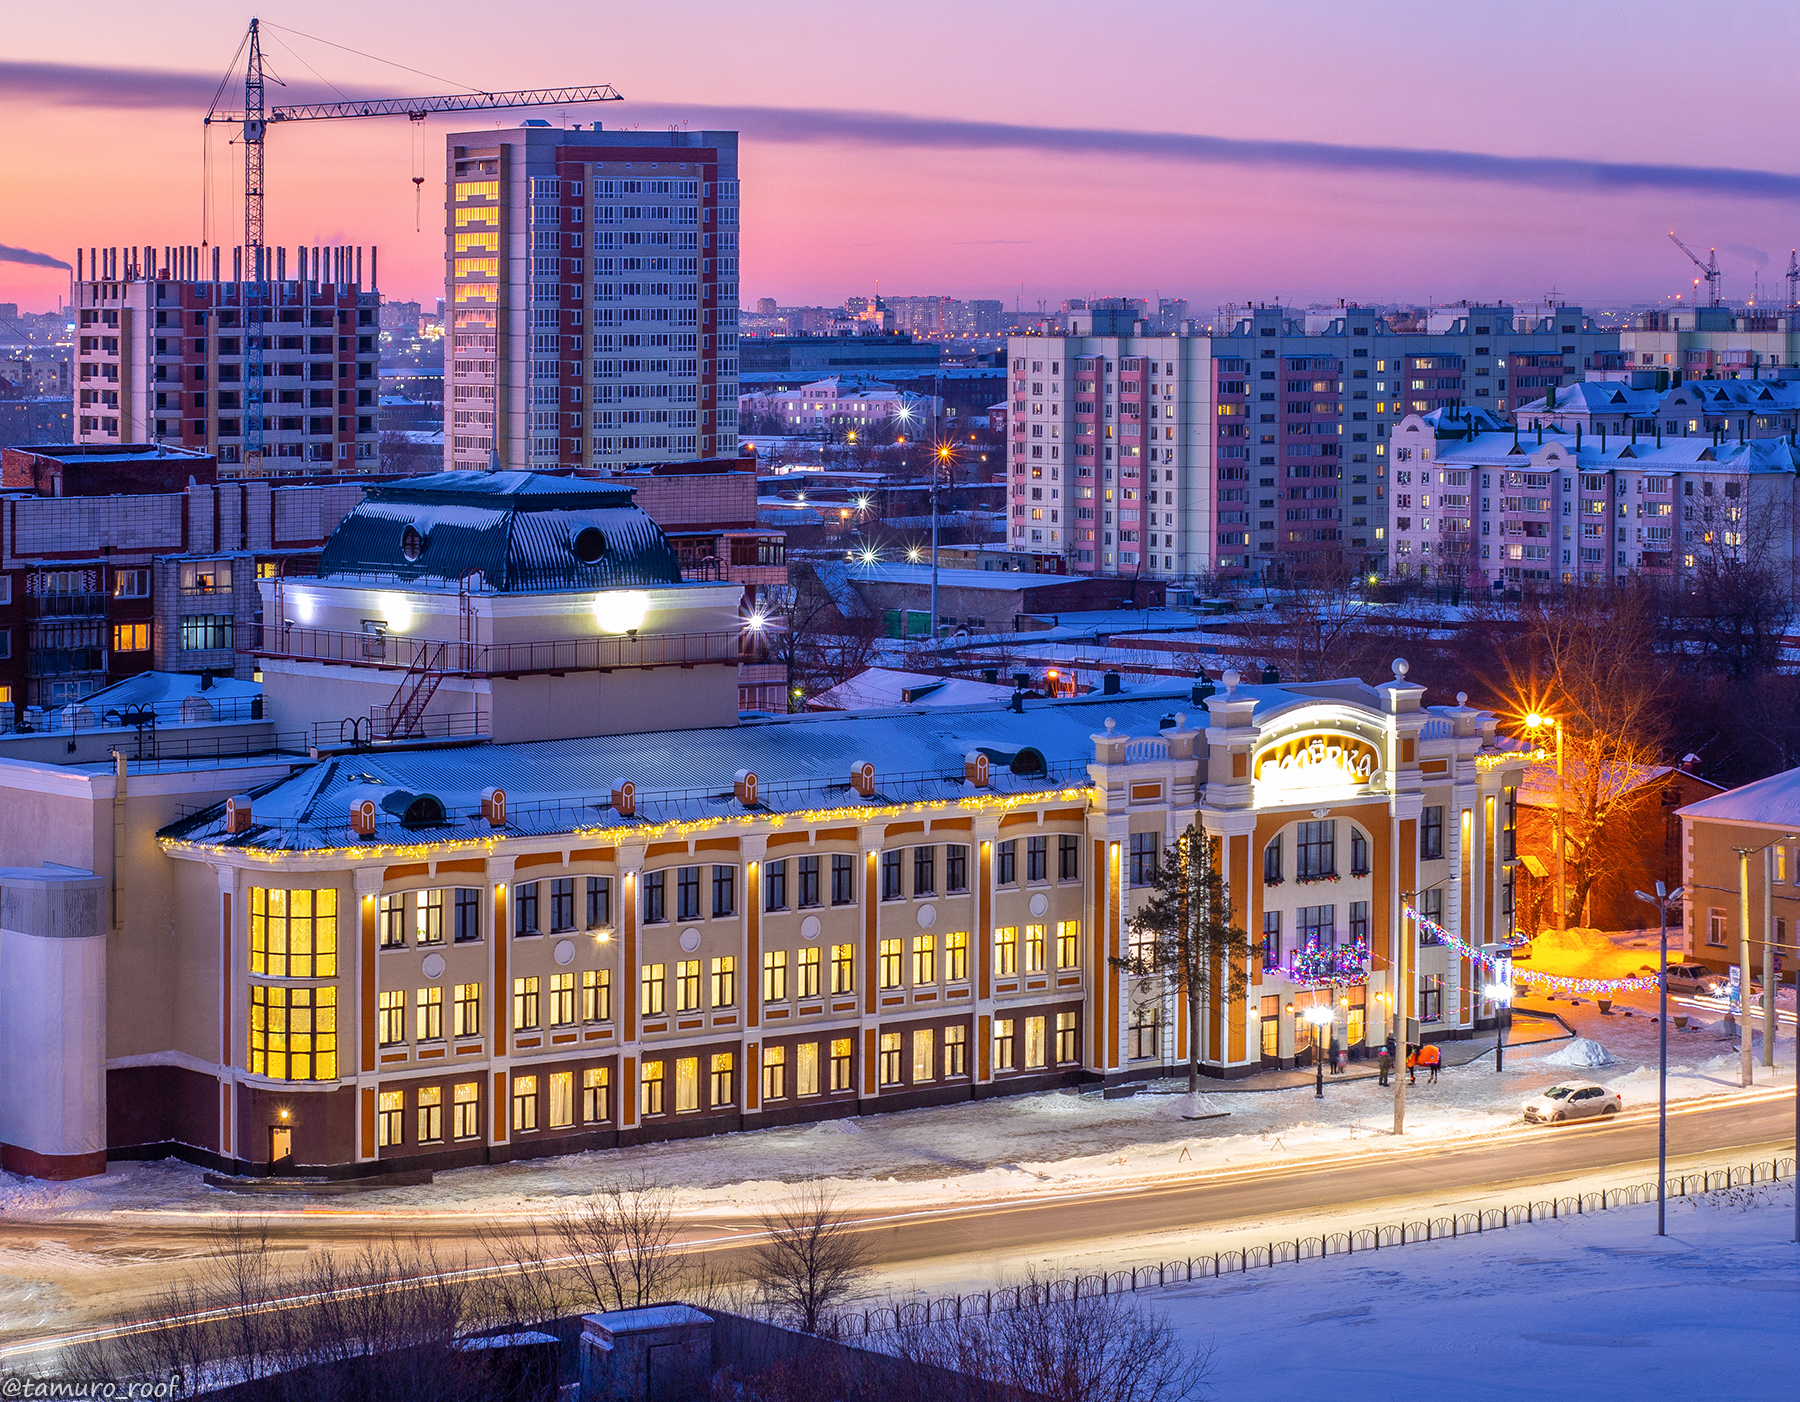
(551, 892)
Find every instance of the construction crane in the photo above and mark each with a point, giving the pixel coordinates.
(1709, 269)
(1793, 278)
(254, 122)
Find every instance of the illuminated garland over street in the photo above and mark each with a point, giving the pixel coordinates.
(1593, 987)
(1315, 968)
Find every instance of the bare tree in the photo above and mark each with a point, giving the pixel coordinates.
(812, 1259)
(1062, 1346)
(622, 1238)
(1184, 932)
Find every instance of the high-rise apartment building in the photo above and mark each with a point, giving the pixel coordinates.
(1255, 453)
(165, 353)
(592, 281)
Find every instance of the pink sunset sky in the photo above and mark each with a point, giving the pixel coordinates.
(981, 149)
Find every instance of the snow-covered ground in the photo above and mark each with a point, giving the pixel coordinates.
(1015, 1147)
(1595, 1307)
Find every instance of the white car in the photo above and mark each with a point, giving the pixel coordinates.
(1572, 1100)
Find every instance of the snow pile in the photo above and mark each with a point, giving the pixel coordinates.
(1582, 953)
(1582, 1052)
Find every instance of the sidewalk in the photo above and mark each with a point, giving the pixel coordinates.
(1540, 1027)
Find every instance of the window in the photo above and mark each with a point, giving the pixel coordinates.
(1431, 834)
(468, 914)
(890, 1058)
(428, 908)
(1068, 1042)
(843, 879)
(1068, 858)
(1145, 853)
(656, 911)
(1003, 1044)
(1359, 924)
(429, 1023)
(775, 885)
(131, 637)
(890, 876)
(724, 882)
(956, 868)
(466, 1110)
(1431, 997)
(924, 1060)
(205, 632)
(1272, 863)
(596, 1095)
(842, 1068)
(1037, 858)
(1314, 927)
(391, 1019)
(775, 975)
(390, 1113)
(562, 904)
(806, 1069)
(1359, 852)
(956, 956)
(205, 576)
(1006, 950)
(956, 1051)
(562, 1099)
(687, 985)
(391, 921)
(1034, 1042)
(599, 902)
(650, 1088)
(924, 953)
(806, 973)
(562, 1000)
(724, 982)
(1006, 861)
(293, 1033)
(724, 1079)
(430, 1103)
(924, 871)
(293, 934)
(1034, 949)
(525, 908)
(687, 893)
(596, 995)
(1271, 940)
(843, 968)
(1146, 1032)
(524, 1103)
(133, 583)
(889, 971)
(1068, 944)
(774, 1073)
(467, 1010)
(1315, 850)
(1715, 925)
(525, 1003)
(650, 989)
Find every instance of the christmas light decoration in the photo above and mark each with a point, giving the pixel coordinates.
(1314, 968)
(1593, 987)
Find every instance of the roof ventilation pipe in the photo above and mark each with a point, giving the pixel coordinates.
(1109, 684)
(862, 778)
(624, 798)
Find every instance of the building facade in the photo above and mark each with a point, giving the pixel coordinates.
(164, 353)
(1254, 453)
(592, 291)
(626, 918)
(1740, 868)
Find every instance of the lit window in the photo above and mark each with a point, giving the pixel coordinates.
(1003, 1044)
(890, 972)
(1034, 1042)
(293, 1033)
(131, 637)
(431, 1114)
(650, 1088)
(687, 1084)
(774, 1073)
(525, 1003)
(891, 1053)
(293, 934)
(1068, 944)
(390, 1117)
(466, 1109)
(524, 1102)
(924, 1055)
(1006, 950)
(468, 1010)
(596, 1095)
(430, 1025)
(562, 1099)
(724, 982)
(651, 988)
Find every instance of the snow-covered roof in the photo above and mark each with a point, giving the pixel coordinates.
(881, 687)
(1773, 802)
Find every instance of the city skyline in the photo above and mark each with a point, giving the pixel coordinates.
(943, 169)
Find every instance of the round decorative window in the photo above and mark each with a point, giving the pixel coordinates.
(589, 544)
(412, 544)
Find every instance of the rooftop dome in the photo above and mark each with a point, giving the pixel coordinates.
(524, 531)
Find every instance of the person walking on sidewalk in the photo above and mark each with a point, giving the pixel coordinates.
(1385, 1065)
(1431, 1057)
(1412, 1066)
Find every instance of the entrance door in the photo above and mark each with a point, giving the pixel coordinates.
(281, 1144)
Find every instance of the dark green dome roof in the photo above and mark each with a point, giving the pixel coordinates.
(524, 531)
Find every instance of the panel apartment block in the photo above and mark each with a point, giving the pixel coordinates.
(592, 287)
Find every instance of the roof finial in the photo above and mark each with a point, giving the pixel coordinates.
(1400, 669)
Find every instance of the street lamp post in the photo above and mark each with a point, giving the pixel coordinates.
(1319, 1015)
(1537, 721)
(1744, 854)
(1662, 900)
(1500, 995)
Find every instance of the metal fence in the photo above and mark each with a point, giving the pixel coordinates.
(890, 1318)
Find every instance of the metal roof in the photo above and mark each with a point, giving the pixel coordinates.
(524, 531)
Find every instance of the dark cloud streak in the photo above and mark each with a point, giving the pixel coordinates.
(100, 87)
(26, 255)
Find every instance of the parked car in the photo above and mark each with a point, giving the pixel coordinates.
(1572, 1100)
(1690, 978)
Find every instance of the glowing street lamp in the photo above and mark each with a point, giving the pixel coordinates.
(1535, 723)
(1319, 1016)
